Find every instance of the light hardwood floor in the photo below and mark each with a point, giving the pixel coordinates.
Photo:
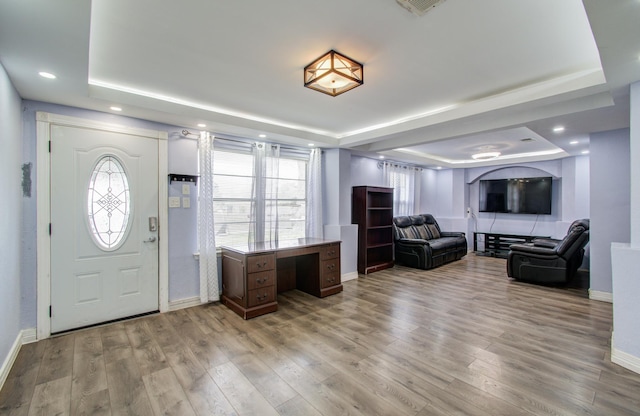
(461, 339)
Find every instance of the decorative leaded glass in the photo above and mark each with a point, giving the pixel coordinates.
(108, 203)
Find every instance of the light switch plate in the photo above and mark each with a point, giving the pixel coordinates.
(186, 202)
(186, 189)
(174, 202)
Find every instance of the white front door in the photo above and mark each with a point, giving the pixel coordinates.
(104, 226)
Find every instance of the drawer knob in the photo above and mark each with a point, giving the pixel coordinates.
(261, 281)
(258, 297)
(261, 265)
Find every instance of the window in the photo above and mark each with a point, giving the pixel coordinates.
(232, 188)
(108, 203)
(405, 182)
(290, 203)
(257, 200)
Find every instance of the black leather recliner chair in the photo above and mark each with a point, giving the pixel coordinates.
(546, 260)
(419, 242)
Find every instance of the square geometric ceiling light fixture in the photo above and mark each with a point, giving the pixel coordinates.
(333, 74)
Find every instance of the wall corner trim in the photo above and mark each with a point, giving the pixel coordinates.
(175, 305)
(349, 276)
(24, 337)
(626, 360)
(601, 296)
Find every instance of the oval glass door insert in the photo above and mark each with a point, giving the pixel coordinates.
(108, 203)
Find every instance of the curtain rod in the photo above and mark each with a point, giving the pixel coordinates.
(398, 164)
(253, 141)
(185, 133)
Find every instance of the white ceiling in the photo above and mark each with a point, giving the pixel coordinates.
(468, 75)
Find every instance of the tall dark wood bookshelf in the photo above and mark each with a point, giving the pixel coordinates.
(372, 210)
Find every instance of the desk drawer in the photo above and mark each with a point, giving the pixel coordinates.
(330, 279)
(261, 296)
(261, 263)
(329, 266)
(258, 280)
(330, 251)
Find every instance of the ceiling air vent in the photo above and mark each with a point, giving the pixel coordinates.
(419, 7)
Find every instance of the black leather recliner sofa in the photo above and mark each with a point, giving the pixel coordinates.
(550, 261)
(419, 242)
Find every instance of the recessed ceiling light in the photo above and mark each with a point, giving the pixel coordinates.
(585, 152)
(558, 129)
(380, 157)
(114, 108)
(485, 156)
(311, 144)
(262, 136)
(439, 167)
(574, 142)
(47, 75)
(202, 125)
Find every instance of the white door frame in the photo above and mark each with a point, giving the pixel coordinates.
(43, 207)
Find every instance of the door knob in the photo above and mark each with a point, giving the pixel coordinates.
(149, 240)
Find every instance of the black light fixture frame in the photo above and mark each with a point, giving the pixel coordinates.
(311, 81)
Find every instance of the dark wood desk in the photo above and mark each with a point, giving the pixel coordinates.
(253, 275)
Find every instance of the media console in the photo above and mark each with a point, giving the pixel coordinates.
(253, 275)
(497, 245)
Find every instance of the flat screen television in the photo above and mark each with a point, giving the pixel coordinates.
(516, 195)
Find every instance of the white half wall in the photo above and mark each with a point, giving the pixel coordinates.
(625, 343)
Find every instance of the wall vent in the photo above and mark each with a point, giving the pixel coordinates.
(419, 7)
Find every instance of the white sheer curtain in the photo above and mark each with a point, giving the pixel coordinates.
(271, 183)
(403, 181)
(314, 225)
(264, 209)
(209, 287)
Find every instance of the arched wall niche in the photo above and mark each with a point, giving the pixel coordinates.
(506, 172)
(526, 224)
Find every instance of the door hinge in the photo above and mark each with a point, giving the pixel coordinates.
(49, 146)
(49, 228)
(49, 311)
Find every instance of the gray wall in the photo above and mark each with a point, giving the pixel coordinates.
(610, 199)
(447, 193)
(10, 216)
(183, 267)
(184, 279)
(635, 164)
(429, 184)
(365, 172)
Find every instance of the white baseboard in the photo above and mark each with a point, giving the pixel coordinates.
(24, 337)
(184, 303)
(349, 276)
(29, 336)
(626, 360)
(601, 296)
